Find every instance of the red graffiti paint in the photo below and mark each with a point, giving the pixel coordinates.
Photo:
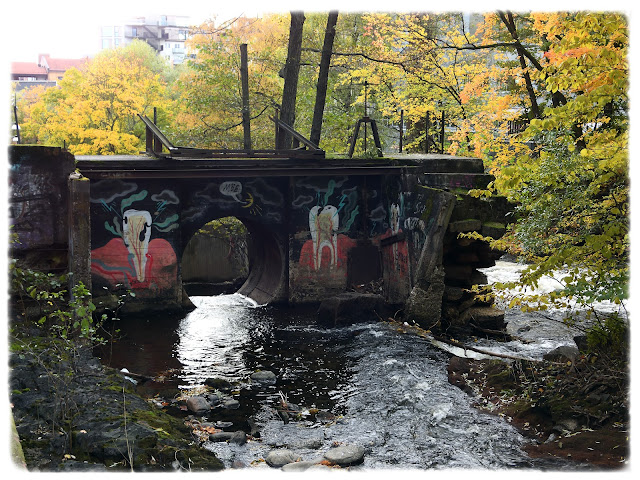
(344, 245)
(113, 263)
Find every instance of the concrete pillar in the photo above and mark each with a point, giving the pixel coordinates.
(79, 231)
(424, 304)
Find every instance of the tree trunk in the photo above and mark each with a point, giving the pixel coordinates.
(292, 68)
(244, 77)
(511, 27)
(323, 77)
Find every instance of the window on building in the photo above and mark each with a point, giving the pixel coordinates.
(107, 31)
(134, 31)
(106, 43)
(163, 20)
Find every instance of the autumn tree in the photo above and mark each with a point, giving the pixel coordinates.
(572, 191)
(94, 109)
(208, 92)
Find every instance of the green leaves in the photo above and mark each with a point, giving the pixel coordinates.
(572, 190)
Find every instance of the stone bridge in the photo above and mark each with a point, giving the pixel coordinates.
(317, 227)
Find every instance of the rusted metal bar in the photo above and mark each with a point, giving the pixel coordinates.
(157, 145)
(154, 132)
(295, 134)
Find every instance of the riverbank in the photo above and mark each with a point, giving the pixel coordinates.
(574, 410)
(80, 415)
(94, 419)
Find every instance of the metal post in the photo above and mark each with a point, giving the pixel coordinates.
(365, 116)
(401, 130)
(277, 129)
(157, 145)
(15, 114)
(244, 76)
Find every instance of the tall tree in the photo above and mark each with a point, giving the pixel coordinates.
(323, 77)
(208, 108)
(94, 111)
(573, 193)
(291, 73)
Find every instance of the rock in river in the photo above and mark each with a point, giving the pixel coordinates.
(279, 458)
(264, 376)
(198, 405)
(345, 455)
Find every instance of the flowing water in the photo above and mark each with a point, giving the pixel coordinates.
(388, 390)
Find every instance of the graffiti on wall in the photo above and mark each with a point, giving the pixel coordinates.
(395, 252)
(331, 213)
(250, 198)
(133, 257)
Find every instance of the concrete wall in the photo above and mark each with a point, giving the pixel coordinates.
(38, 200)
(208, 259)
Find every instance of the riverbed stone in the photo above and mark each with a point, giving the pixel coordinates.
(562, 353)
(239, 438)
(220, 437)
(231, 404)
(299, 466)
(280, 458)
(218, 383)
(264, 376)
(349, 308)
(198, 405)
(345, 455)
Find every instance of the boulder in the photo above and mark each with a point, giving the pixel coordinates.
(280, 458)
(220, 437)
(198, 405)
(345, 455)
(299, 466)
(239, 438)
(264, 376)
(231, 404)
(349, 308)
(563, 353)
(218, 383)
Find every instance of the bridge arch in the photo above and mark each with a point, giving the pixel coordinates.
(266, 279)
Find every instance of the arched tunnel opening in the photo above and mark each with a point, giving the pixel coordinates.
(229, 255)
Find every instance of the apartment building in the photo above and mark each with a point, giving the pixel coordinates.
(167, 35)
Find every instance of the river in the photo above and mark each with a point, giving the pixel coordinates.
(388, 390)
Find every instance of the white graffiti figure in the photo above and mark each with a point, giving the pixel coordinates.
(136, 231)
(323, 225)
(394, 218)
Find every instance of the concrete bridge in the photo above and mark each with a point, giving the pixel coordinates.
(317, 226)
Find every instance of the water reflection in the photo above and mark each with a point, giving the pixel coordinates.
(214, 337)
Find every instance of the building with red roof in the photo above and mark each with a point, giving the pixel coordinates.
(47, 71)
